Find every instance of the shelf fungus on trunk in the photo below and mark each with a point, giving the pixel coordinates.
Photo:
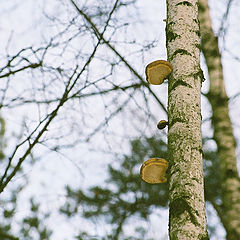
(153, 170)
(157, 71)
(162, 124)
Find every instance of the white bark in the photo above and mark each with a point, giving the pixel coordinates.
(187, 207)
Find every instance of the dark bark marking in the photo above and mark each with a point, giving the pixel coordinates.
(204, 236)
(175, 120)
(198, 46)
(198, 33)
(180, 51)
(186, 3)
(171, 36)
(199, 74)
(179, 83)
(178, 206)
(196, 20)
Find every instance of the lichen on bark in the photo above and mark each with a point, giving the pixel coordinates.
(187, 208)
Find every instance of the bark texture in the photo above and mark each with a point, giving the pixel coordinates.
(187, 218)
(223, 133)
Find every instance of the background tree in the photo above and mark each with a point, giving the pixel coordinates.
(229, 211)
(131, 195)
(125, 195)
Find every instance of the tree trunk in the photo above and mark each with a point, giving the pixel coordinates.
(223, 133)
(187, 218)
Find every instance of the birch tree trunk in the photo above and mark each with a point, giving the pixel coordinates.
(223, 133)
(187, 218)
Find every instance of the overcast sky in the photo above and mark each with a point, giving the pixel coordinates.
(22, 23)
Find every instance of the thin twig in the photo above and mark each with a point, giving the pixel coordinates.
(33, 65)
(101, 37)
(70, 85)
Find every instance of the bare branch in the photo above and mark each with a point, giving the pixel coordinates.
(101, 37)
(69, 87)
(222, 28)
(33, 65)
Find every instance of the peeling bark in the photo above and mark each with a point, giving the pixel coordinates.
(223, 133)
(187, 218)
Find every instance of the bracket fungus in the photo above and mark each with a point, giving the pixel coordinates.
(153, 170)
(157, 71)
(162, 124)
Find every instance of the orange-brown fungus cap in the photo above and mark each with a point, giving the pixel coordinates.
(153, 170)
(162, 124)
(157, 71)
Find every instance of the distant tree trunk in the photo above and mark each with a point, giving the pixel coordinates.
(223, 133)
(187, 218)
